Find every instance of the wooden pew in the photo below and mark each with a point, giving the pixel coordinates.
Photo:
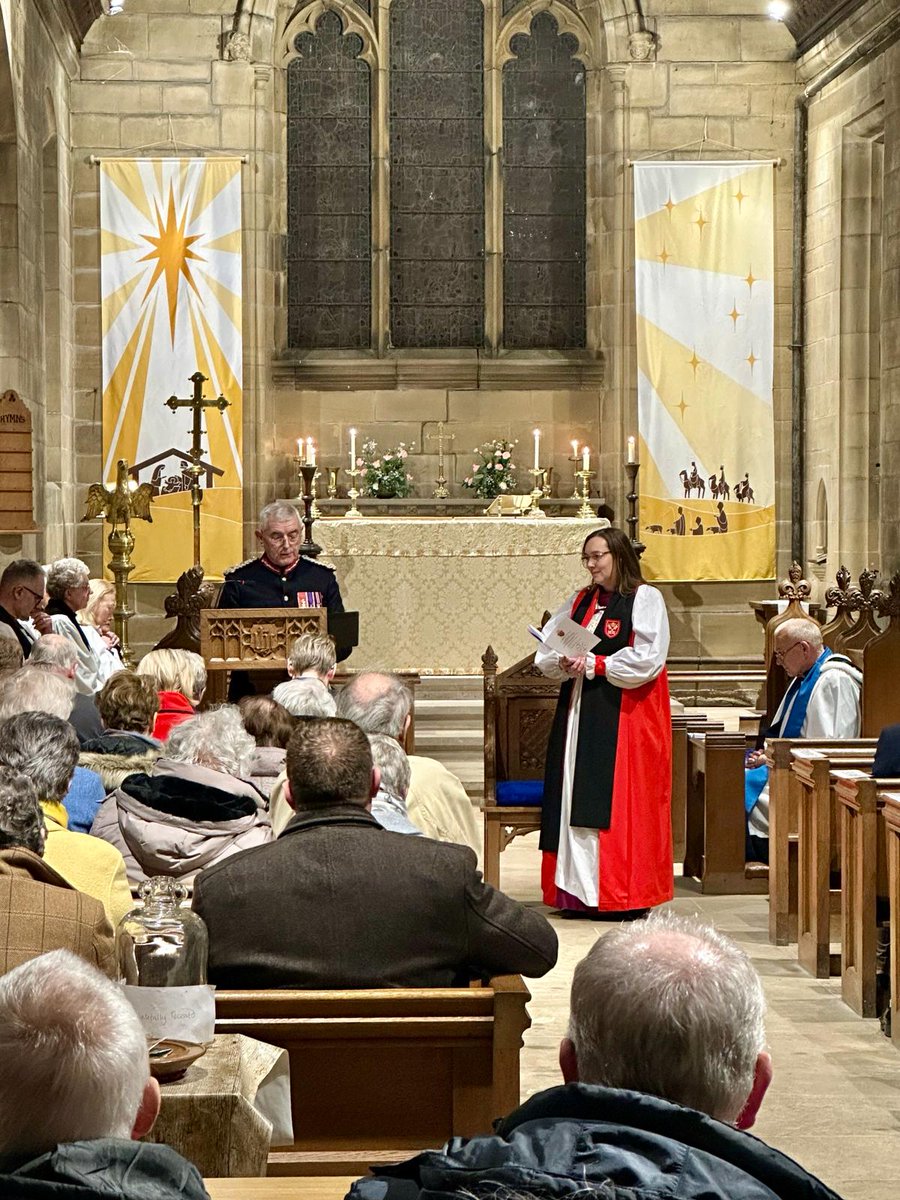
(819, 849)
(715, 836)
(891, 817)
(377, 1075)
(863, 883)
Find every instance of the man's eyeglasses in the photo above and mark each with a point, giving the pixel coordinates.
(591, 560)
(37, 595)
(781, 655)
(290, 538)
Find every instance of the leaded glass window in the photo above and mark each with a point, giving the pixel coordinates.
(544, 190)
(329, 213)
(437, 173)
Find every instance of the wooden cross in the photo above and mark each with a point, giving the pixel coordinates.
(440, 492)
(195, 470)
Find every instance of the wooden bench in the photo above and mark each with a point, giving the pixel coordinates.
(715, 836)
(818, 859)
(891, 816)
(377, 1075)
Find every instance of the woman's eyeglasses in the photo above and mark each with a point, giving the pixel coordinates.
(593, 560)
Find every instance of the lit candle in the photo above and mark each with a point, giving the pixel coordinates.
(352, 449)
(632, 458)
(310, 452)
(585, 459)
(300, 450)
(537, 449)
(574, 447)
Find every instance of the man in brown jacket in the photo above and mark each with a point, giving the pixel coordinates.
(339, 902)
(39, 911)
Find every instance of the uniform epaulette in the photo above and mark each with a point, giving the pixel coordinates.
(315, 561)
(237, 566)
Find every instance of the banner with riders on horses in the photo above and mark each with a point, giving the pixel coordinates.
(704, 283)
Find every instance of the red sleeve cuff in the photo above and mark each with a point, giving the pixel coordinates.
(600, 664)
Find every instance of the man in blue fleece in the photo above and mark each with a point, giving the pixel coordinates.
(664, 1065)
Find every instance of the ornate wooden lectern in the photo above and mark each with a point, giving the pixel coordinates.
(251, 639)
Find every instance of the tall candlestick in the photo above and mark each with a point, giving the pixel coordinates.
(537, 449)
(574, 447)
(300, 450)
(352, 449)
(632, 457)
(310, 452)
(586, 459)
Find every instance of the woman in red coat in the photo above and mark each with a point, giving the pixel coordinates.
(180, 678)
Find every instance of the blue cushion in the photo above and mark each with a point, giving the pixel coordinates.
(521, 791)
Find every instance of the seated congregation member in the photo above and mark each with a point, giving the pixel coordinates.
(437, 802)
(39, 690)
(21, 597)
(76, 1091)
(180, 678)
(664, 1067)
(55, 653)
(270, 725)
(95, 619)
(389, 804)
(68, 586)
(39, 910)
(45, 749)
(11, 656)
(193, 808)
(127, 704)
(887, 754)
(311, 665)
(822, 701)
(339, 902)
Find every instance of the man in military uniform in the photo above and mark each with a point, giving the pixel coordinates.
(281, 576)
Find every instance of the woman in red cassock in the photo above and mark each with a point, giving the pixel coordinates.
(606, 830)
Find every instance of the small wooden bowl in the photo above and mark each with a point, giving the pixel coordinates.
(174, 1060)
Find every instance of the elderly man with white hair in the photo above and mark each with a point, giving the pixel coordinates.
(55, 653)
(664, 1068)
(68, 586)
(76, 1091)
(822, 701)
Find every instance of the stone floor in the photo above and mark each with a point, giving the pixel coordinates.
(834, 1104)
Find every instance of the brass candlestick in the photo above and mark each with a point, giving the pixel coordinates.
(440, 492)
(308, 474)
(584, 478)
(352, 493)
(333, 482)
(120, 505)
(301, 462)
(631, 470)
(575, 460)
(537, 493)
(547, 482)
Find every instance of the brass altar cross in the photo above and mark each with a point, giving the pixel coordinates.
(440, 492)
(195, 470)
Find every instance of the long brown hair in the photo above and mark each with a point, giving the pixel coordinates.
(628, 568)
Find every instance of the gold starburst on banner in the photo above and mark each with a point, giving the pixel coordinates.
(749, 279)
(740, 197)
(172, 250)
(681, 406)
(751, 359)
(663, 256)
(669, 205)
(700, 222)
(734, 314)
(694, 361)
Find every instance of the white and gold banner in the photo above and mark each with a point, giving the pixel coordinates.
(704, 283)
(170, 246)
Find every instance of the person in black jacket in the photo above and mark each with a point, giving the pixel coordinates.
(664, 1066)
(339, 902)
(76, 1091)
(887, 754)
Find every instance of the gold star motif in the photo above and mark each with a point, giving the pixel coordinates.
(751, 359)
(734, 314)
(750, 280)
(739, 196)
(669, 205)
(171, 251)
(694, 361)
(681, 406)
(700, 222)
(663, 256)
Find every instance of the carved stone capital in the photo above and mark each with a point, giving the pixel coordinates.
(237, 48)
(641, 46)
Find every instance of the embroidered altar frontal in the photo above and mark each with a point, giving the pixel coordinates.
(433, 593)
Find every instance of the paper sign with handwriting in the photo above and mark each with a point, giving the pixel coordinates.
(185, 1013)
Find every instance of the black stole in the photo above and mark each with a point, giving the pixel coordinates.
(598, 729)
(59, 608)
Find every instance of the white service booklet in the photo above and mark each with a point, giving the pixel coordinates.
(566, 637)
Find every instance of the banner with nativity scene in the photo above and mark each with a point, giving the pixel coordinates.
(704, 282)
(171, 262)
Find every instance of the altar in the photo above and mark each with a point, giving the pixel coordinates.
(433, 592)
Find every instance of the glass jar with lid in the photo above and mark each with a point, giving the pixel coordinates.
(162, 944)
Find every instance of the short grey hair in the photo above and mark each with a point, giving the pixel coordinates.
(21, 817)
(376, 703)
(53, 650)
(312, 652)
(66, 573)
(42, 747)
(74, 1056)
(390, 758)
(800, 629)
(215, 739)
(278, 510)
(305, 698)
(673, 1008)
(11, 654)
(35, 689)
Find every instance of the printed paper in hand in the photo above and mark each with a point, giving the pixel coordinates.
(565, 637)
(186, 1013)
